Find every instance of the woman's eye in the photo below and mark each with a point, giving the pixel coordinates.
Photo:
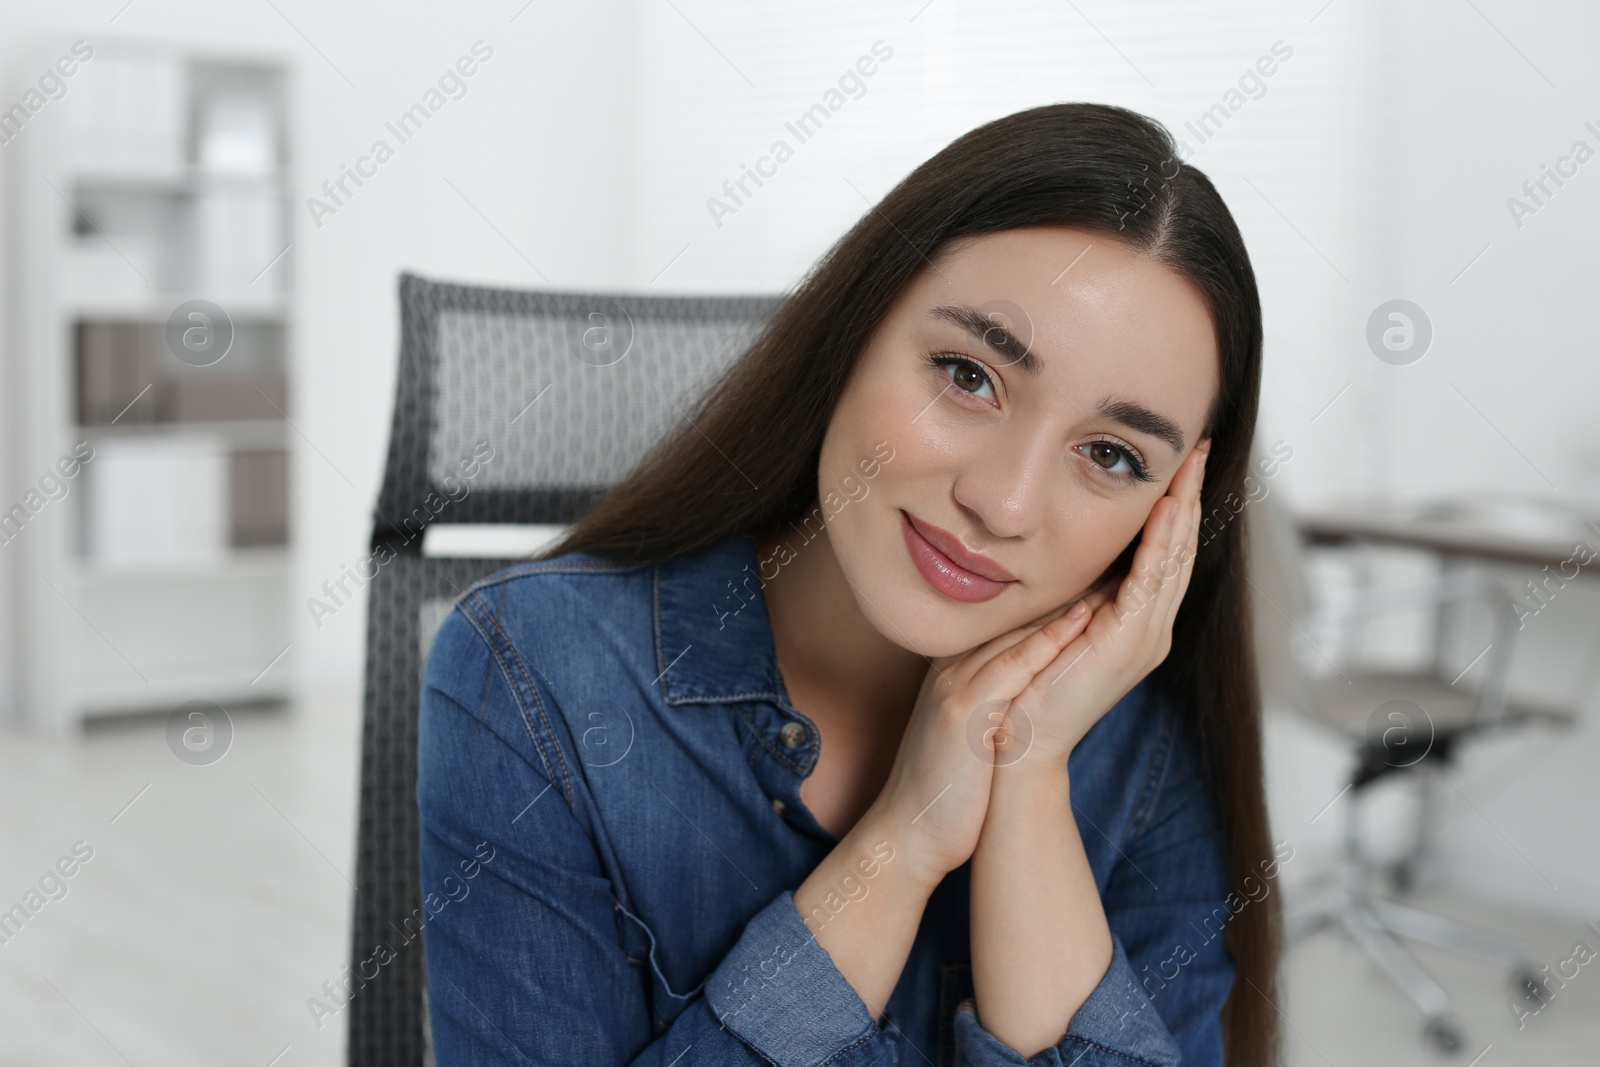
(1118, 461)
(1115, 459)
(965, 374)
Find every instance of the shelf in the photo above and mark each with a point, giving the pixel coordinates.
(157, 308)
(123, 218)
(235, 565)
(244, 684)
(183, 183)
(241, 434)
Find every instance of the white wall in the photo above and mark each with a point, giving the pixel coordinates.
(1484, 106)
(1376, 165)
(1503, 402)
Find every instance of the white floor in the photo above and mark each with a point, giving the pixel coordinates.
(217, 902)
(1341, 1009)
(214, 905)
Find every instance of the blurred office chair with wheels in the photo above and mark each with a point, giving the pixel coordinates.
(1397, 723)
(510, 408)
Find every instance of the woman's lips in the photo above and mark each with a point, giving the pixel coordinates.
(944, 573)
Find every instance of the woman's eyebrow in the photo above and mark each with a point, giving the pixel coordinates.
(992, 332)
(1136, 416)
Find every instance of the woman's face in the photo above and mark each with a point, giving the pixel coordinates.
(1039, 388)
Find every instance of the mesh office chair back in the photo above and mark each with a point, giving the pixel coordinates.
(510, 407)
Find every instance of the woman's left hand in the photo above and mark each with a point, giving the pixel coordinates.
(1126, 637)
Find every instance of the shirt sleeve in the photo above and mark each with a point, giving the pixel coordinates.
(1167, 902)
(527, 967)
(1115, 1027)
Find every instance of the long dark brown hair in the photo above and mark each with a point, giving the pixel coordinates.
(1092, 166)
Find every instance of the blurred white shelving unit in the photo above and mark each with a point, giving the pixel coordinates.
(152, 325)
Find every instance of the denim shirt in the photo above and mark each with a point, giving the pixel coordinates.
(609, 771)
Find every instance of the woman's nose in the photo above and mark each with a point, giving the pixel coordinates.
(1004, 484)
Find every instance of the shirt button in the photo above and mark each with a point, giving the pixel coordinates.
(793, 734)
(779, 806)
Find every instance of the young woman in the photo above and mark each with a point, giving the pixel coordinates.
(893, 711)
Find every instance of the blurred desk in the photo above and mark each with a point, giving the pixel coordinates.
(1530, 531)
(1561, 536)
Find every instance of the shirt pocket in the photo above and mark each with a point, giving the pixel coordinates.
(639, 943)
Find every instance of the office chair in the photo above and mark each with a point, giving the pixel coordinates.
(562, 392)
(1397, 723)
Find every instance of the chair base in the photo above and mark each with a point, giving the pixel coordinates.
(1377, 926)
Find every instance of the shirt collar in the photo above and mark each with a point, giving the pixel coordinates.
(713, 635)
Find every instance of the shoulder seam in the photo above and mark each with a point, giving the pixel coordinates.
(475, 605)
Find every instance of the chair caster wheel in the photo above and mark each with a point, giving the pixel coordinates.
(1527, 982)
(1444, 1035)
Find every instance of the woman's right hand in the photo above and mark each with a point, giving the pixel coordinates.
(937, 793)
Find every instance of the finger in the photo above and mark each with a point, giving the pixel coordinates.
(1177, 553)
(1067, 621)
(1188, 531)
(1009, 671)
(995, 645)
(1191, 547)
(1153, 565)
(1178, 564)
(1144, 579)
